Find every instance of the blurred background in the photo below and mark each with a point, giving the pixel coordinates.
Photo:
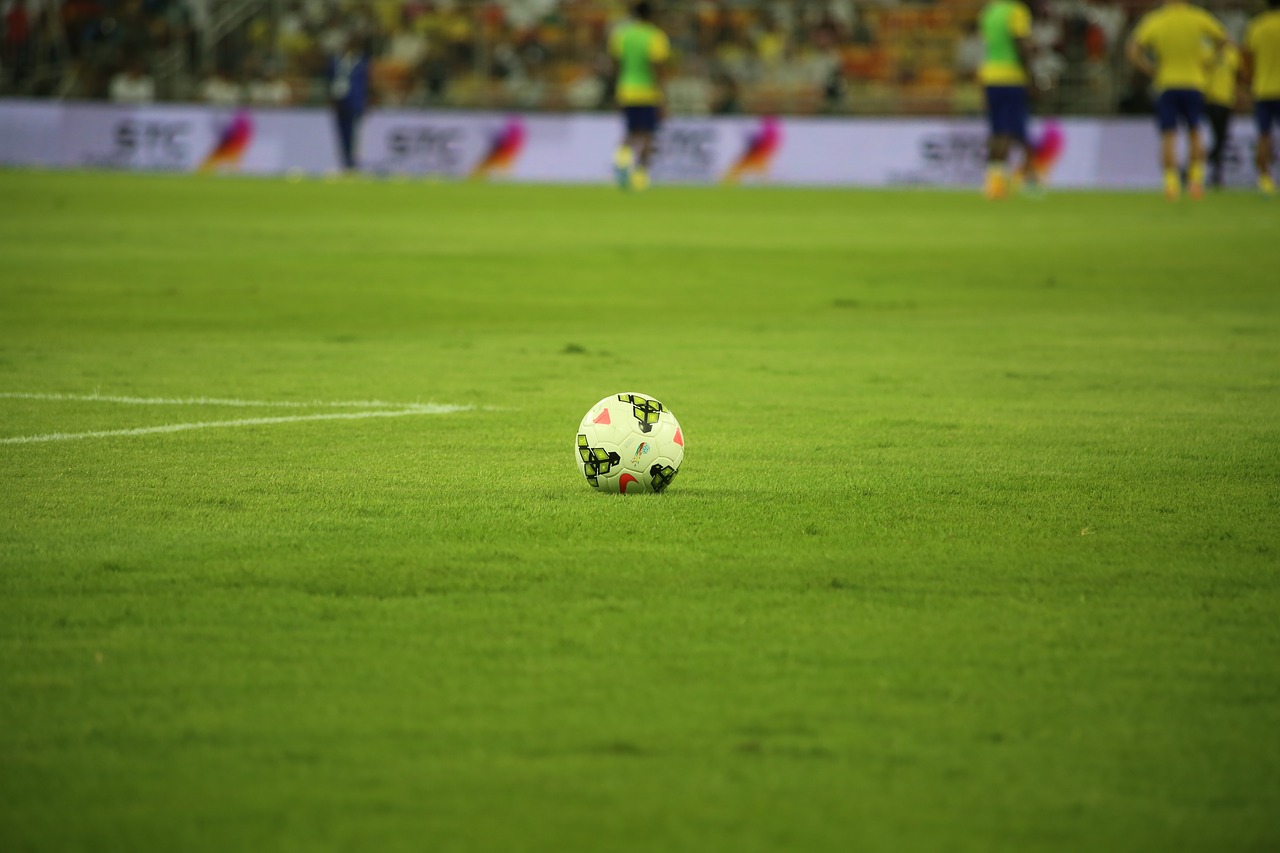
(730, 56)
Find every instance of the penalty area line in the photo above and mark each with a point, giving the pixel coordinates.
(424, 409)
(206, 401)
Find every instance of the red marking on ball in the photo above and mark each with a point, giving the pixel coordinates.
(679, 439)
(624, 480)
(602, 418)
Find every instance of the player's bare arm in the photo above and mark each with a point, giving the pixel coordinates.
(1139, 58)
(1026, 52)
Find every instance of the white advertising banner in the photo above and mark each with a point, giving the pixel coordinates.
(1130, 157)
(578, 148)
(29, 133)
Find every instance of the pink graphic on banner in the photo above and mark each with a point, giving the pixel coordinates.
(762, 147)
(504, 149)
(232, 143)
(1046, 151)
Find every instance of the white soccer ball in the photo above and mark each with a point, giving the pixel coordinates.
(629, 443)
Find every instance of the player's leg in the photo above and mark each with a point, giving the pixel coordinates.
(1169, 164)
(1001, 125)
(1167, 122)
(644, 154)
(644, 145)
(997, 179)
(1219, 126)
(1025, 173)
(645, 129)
(624, 159)
(1265, 182)
(1265, 113)
(1021, 139)
(1191, 107)
(346, 136)
(1195, 166)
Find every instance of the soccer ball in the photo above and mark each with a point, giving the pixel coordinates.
(629, 443)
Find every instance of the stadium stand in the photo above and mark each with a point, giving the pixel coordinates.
(774, 56)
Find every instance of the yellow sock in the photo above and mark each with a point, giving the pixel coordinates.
(623, 161)
(997, 181)
(1195, 174)
(639, 180)
(1267, 185)
(1172, 185)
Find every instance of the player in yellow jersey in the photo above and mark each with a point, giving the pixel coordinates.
(640, 49)
(1262, 50)
(1006, 38)
(1168, 44)
(1223, 70)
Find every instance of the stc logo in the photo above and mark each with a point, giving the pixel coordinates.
(687, 153)
(150, 143)
(427, 148)
(961, 156)
(960, 151)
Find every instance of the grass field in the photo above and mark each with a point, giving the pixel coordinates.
(976, 545)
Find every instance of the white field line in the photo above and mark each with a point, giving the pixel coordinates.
(423, 409)
(207, 401)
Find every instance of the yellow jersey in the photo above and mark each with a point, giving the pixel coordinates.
(1263, 42)
(1220, 85)
(1176, 34)
(1002, 23)
(639, 47)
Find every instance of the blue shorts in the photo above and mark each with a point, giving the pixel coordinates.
(1174, 104)
(1007, 111)
(1266, 113)
(641, 119)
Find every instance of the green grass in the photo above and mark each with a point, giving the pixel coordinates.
(976, 545)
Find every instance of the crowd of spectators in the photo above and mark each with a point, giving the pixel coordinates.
(796, 56)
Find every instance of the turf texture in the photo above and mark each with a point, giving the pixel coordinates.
(976, 545)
